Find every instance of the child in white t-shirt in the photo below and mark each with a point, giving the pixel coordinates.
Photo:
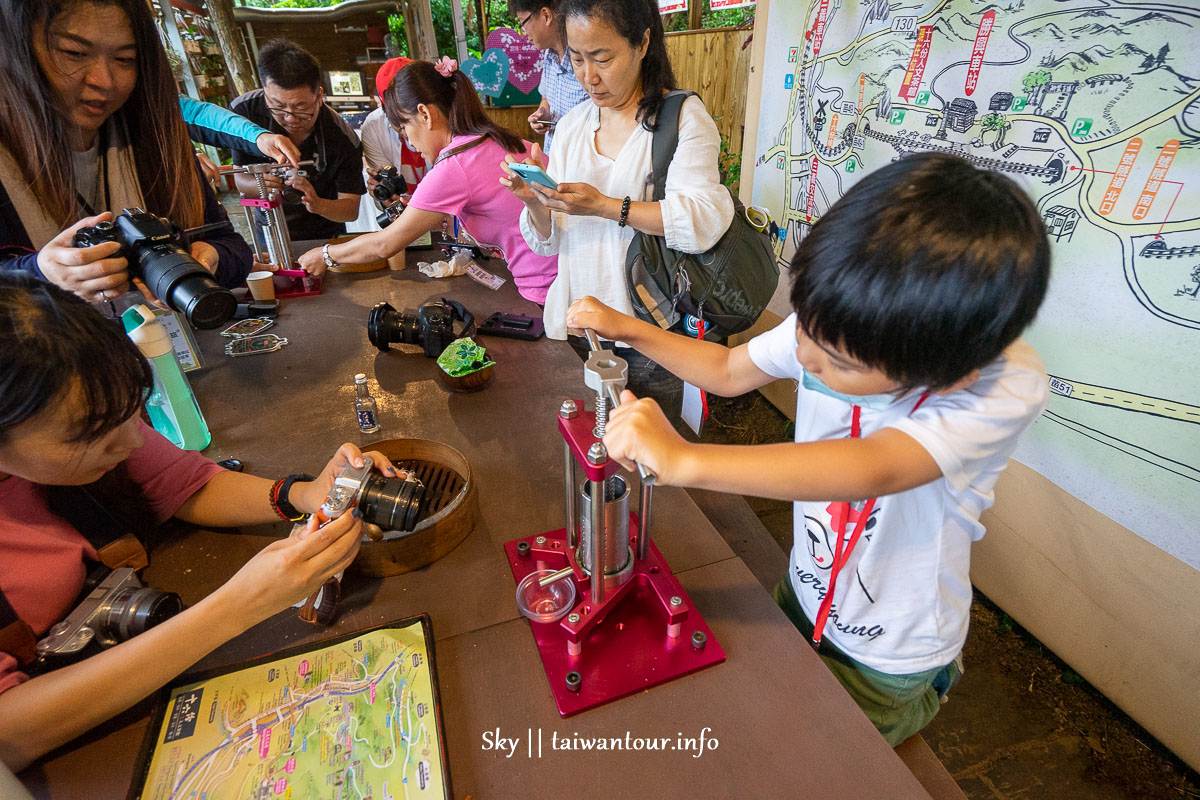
(913, 388)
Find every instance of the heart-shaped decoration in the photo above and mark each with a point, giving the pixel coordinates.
(490, 73)
(524, 60)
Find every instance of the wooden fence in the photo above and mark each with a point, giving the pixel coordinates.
(714, 64)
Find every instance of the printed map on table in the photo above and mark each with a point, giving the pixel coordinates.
(348, 721)
(1093, 106)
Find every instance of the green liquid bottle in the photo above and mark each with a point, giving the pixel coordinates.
(171, 405)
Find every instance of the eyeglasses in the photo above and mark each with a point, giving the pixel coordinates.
(301, 114)
(523, 22)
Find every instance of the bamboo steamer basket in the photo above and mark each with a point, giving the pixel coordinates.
(451, 510)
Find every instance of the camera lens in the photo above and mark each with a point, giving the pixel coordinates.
(179, 280)
(393, 504)
(386, 326)
(131, 611)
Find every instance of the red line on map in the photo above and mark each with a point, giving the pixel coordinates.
(1168, 216)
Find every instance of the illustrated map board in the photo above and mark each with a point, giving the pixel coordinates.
(1093, 107)
(355, 717)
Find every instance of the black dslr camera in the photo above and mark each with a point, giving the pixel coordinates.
(390, 184)
(116, 607)
(431, 325)
(156, 253)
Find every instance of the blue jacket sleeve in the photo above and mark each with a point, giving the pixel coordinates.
(236, 258)
(16, 250)
(23, 263)
(214, 117)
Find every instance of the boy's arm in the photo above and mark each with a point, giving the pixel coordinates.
(710, 366)
(886, 462)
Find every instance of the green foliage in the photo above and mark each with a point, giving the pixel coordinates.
(291, 3)
(443, 25)
(994, 121)
(734, 17)
(1036, 78)
(730, 165)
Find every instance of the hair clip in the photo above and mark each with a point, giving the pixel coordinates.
(445, 66)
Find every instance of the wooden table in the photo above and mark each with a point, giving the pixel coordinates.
(777, 722)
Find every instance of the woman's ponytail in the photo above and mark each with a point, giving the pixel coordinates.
(423, 82)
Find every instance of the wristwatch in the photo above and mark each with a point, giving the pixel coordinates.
(280, 500)
(329, 262)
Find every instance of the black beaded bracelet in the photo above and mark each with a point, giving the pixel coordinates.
(624, 220)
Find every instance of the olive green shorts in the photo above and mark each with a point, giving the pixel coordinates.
(897, 705)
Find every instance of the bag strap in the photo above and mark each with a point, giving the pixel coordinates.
(666, 139)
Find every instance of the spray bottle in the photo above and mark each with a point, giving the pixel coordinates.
(172, 407)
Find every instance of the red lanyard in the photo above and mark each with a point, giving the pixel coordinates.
(839, 518)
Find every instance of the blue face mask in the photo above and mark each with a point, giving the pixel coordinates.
(875, 402)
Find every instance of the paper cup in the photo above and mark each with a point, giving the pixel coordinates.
(758, 217)
(262, 285)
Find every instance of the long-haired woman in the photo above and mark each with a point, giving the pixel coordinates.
(90, 125)
(435, 107)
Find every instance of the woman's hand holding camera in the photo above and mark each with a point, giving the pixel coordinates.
(308, 497)
(288, 570)
(94, 273)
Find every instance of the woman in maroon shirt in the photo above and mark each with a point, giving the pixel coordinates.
(71, 387)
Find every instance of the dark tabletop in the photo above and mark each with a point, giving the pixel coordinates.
(782, 724)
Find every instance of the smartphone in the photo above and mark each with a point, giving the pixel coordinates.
(534, 174)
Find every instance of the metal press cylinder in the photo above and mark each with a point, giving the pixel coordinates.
(616, 526)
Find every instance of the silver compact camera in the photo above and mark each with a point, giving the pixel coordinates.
(118, 608)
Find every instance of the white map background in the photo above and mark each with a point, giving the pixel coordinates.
(1065, 91)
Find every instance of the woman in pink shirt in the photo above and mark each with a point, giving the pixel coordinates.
(436, 109)
(73, 447)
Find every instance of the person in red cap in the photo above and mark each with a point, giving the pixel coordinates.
(382, 146)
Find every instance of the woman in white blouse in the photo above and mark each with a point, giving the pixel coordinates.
(602, 163)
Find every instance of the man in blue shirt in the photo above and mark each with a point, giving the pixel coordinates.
(559, 87)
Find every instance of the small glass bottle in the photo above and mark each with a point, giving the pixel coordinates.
(364, 405)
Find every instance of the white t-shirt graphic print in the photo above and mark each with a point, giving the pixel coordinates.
(902, 602)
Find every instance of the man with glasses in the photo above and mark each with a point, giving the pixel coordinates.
(559, 87)
(319, 205)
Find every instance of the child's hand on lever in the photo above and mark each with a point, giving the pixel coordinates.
(639, 433)
(588, 312)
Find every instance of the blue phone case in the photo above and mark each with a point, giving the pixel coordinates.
(534, 174)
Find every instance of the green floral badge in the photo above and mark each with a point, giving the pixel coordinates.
(463, 357)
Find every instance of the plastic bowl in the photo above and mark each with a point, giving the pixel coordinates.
(545, 603)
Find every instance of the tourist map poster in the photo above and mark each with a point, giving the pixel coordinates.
(350, 719)
(1093, 106)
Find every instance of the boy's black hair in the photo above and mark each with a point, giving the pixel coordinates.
(927, 269)
(289, 65)
(530, 6)
(51, 342)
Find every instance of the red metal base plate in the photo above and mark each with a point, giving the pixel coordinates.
(629, 650)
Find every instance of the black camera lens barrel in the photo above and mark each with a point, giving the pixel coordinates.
(387, 326)
(172, 275)
(394, 504)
